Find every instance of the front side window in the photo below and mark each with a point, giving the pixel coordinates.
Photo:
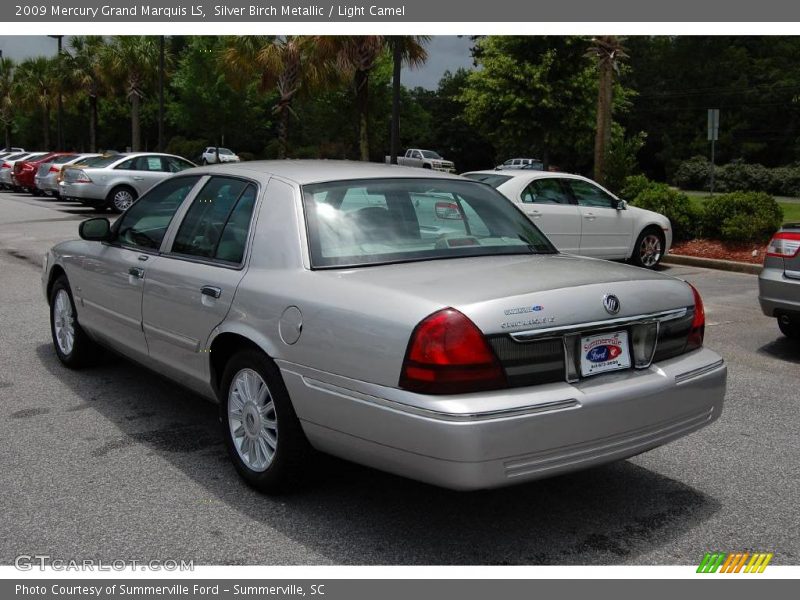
(430, 154)
(145, 223)
(545, 191)
(374, 221)
(173, 164)
(588, 194)
(216, 225)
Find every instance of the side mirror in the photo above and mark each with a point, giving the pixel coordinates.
(95, 230)
(622, 205)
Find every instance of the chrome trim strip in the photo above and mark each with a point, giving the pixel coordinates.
(684, 377)
(555, 405)
(667, 315)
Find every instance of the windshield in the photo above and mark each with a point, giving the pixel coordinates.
(375, 221)
(488, 178)
(429, 154)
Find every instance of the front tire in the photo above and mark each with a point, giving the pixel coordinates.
(121, 198)
(649, 248)
(73, 347)
(790, 328)
(262, 432)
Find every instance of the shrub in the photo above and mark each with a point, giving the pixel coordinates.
(191, 149)
(244, 156)
(693, 174)
(661, 198)
(741, 176)
(741, 217)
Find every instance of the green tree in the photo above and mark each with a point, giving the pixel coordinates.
(6, 102)
(85, 68)
(36, 84)
(132, 62)
(533, 95)
(408, 49)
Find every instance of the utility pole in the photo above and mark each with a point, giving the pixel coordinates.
(60, 116)
(161, 93)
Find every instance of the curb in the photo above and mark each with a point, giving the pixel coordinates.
(712, 263)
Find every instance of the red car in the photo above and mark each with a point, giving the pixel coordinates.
(25, 170)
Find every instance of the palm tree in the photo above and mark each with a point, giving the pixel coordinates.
(408, 49)
(36, 83)
(285, 63)
(608, 52)
(132, 60)
(6, 89)
(84, 66)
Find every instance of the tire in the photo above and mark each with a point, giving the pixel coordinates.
(73, 347)
(649, 248)
(121, 198)
(252, 415)
(426, 166)
(205, 162)
(790, 329)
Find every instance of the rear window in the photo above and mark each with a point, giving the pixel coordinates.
(376, 221)
(488, 178)
(102, 161)
(60, 160)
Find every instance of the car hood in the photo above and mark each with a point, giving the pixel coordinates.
(503, 294)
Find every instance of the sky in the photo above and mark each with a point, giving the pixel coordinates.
(445, 52)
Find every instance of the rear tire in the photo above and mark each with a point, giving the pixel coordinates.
(121, 198)
(262, 432)
(649, 248)
(73, 347)
(790, 329)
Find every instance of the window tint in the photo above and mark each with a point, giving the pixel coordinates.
(216, 225)
(144, 224)
(545, 191)
(588, 194)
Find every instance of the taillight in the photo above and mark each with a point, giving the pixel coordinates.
(54, 169)
(448, 354)
(447, 210)
(784, 244)
(82, 177)
(5, 166)
(698, 330)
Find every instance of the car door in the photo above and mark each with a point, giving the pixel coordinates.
(141, 172)
(549, 205)
(190, 289)
(605, 230)
(110, 281)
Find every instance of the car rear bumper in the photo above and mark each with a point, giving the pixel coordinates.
(46, 184)
(88, 192)
(778, 294)
(539, 432)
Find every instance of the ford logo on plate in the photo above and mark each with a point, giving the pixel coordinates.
(603, 353)
(611, 304)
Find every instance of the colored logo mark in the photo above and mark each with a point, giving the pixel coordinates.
(734, 562)
(603, 353)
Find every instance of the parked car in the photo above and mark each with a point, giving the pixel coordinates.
(7, 168)
(582, 217)
(25, 170)
(209, 156)
(521, 163)
(46, 179)
(116, 181)
(424, 159)
(779, 281)
(12, 149)
(320, 303)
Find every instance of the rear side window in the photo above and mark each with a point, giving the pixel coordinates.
(216, 225)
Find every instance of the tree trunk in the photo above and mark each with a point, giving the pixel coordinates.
(602, 138)
(7, 128)
(92, 123)
(136, 132)
(397, 57)
(283, 130)
(46, 127)
(362, 104)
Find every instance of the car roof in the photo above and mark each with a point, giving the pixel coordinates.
(304, 172)
(528, 174)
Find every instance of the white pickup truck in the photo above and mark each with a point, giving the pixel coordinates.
(425, 159)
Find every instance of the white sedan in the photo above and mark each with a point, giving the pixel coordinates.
(581, 217)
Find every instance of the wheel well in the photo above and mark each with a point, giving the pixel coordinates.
(56, 272)
(222, 349)
(120, 186)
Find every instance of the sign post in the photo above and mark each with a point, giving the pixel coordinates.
(713, 136)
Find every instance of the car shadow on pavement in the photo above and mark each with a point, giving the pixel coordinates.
(356, 515)
(783, 349)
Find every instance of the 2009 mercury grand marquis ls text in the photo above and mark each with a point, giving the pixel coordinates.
(413, 321)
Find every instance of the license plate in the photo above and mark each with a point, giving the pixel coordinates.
(604, 352)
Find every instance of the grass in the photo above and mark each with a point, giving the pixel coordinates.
(790, 206)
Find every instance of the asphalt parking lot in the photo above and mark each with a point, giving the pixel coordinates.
(116, 463)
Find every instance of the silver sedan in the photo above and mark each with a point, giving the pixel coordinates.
(415, 322)
(116, 181)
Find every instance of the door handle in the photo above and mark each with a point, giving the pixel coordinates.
(136, 272)
(210, 290)
(535, 214)
(589, 216)
(138, 178)
(142, 257)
